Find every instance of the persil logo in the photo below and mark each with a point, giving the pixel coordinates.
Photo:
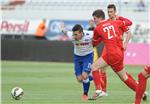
(14, 27)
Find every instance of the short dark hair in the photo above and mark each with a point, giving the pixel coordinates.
(77, 27)
(111, 6)
(99, 13)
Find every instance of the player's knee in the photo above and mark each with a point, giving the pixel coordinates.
(124, 77)
(84, 76)
(79, 79)
(103, 71)
(94, 67)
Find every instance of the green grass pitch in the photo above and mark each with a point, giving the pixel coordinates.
(55, 83)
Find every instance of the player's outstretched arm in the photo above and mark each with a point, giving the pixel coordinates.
(127, 21)
(62, 29)
(66, 32)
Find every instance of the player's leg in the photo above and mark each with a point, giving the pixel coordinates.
(86, 78)
(86, 82)
(103, 74)
(95, 59)
(104, 80)
(126, 78)
(142, 79)
(79, 78)
(103, 83)
(78, 66)
(100, 64)
(130, 76)
(130, 82)
(86, 85)
(78, 70)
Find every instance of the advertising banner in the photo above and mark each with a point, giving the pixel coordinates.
(140, 30)
(54, 28)
(26, 27)
(137, 54)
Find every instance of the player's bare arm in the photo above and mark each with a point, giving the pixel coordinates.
(63, 29)
(127, 39)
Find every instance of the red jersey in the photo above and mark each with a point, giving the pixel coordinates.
(127, 21)
(124, 28)
(108, 31)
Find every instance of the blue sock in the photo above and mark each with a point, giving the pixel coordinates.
(86, 86)
(90, 78)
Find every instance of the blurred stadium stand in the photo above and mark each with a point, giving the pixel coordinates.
(73, 9)
(11, 4)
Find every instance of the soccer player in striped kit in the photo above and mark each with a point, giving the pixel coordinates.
(83, 55)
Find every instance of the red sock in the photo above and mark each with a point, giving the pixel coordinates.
(141, 88)
(131, 83)
(104, 80)
(130, 76)
(96, 79)
(101, 80)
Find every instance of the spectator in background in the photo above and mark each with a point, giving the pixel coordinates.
(141, 6)
(91, 28)
(92, 25)
(126, 2)
(41, 30)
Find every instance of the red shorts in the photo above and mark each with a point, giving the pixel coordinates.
(115, 60)
(147, 69)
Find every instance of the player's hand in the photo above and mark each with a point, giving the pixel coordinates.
(62, 26)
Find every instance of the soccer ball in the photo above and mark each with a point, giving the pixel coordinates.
(17, 93)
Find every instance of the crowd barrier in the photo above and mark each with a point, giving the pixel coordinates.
(32, 49)
(38, 50)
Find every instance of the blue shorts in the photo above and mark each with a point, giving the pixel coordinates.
(83, 64)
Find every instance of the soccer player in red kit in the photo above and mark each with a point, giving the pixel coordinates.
(108, 31)
(142, 81)
(111, 9)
